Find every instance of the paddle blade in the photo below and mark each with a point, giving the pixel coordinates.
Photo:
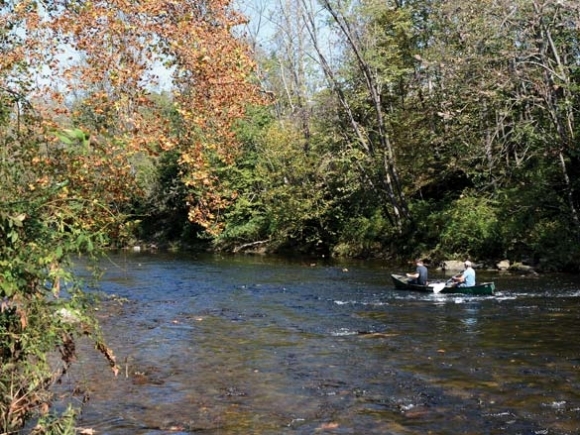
(437, 287)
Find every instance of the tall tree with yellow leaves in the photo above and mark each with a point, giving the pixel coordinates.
(111, 55)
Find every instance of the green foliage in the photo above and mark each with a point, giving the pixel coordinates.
(44, 222)
(362, 236)
(471, 228)
(536, 226)
(296, 218)
(421, 236)
(73, 137)
(555, 247)
(38, 237)
(482, 140)
(277, 204)
(163, 210)
(51, 424)
(247, 219)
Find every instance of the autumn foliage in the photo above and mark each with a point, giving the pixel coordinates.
(93, 65)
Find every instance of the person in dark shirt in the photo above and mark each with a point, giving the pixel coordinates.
(421, 274)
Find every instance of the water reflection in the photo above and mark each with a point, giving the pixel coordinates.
(242, 345)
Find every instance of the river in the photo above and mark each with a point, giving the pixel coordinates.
(256, 345)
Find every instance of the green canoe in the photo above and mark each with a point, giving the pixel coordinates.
(402, 283)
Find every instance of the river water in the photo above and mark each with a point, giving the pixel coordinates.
(252, 345)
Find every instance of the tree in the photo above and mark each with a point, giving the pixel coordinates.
(500, 78)
(370, 132)
(109, 55)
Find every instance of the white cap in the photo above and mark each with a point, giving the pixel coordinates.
(467, 263)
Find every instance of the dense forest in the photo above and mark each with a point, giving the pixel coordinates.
(414, 128)
(343, 128)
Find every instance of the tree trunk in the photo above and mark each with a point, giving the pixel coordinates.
(382, 151)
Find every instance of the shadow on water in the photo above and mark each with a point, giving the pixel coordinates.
(244, 345)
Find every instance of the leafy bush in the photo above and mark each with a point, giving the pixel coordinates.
(49, 212)
(470, 228)
(42, 308)
(361, 236)
(553, 245)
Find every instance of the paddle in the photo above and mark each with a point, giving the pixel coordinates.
(437, 287)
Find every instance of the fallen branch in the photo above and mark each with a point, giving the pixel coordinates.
(247, 245)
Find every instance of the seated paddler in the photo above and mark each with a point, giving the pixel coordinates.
(466, 278)
(421, 274)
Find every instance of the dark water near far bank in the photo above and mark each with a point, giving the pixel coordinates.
(245, 345)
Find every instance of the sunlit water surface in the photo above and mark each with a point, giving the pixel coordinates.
(246, 345)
